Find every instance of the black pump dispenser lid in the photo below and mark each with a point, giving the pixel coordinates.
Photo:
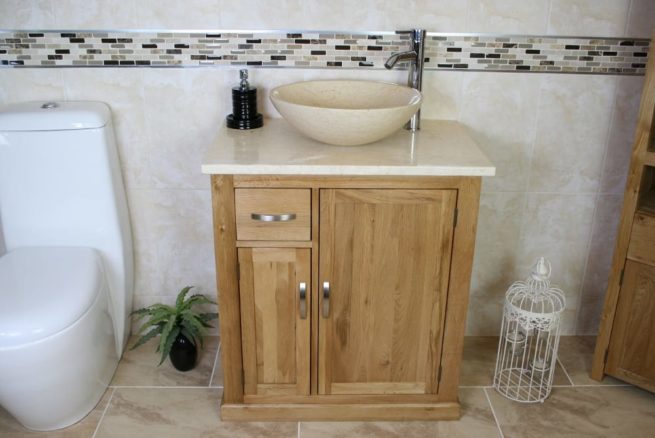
(244, 106)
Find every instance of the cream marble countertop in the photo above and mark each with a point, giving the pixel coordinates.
(440, 148)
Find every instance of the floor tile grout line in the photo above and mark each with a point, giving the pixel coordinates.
(566, 373)
(102, 417)
(216, 359)
(493, 412)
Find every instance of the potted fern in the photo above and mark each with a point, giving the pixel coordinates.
(180, 328)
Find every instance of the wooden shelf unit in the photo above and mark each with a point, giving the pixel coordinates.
(625, 346)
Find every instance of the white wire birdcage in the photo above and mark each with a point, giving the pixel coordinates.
(529, 337)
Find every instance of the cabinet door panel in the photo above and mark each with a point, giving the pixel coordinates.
(386, 254)
(275, 337)
(632, 348)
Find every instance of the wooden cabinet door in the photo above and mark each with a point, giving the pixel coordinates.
(275, 325)
(632, 347)
(386, 256)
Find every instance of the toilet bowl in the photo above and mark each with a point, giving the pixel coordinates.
(57, 352)
(67, 277)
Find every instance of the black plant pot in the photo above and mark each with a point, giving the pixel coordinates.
(183, 353)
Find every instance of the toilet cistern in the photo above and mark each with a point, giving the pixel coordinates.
(416, 58)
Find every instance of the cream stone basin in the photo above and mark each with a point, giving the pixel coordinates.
(346, 113)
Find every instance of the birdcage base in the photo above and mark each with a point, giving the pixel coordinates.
(519, 385)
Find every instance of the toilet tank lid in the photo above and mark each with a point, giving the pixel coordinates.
(53, 116)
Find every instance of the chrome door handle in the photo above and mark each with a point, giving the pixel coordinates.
(302, 290)
(286, 217)
(326, 299)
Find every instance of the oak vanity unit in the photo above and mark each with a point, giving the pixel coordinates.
(343, 272)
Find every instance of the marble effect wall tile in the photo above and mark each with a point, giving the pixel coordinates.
(508, 17)
(621, 135)
(173, 14)
(641, 18)
(25, 85)
(588, 17)
(106, 14)
(561, 235)
(33, 14)
(599, 260)
(573, 119)
(501, 110)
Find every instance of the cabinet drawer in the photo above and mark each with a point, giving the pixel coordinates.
(273, 214)
(642, 239)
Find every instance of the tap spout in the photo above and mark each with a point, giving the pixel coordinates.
(409, 55)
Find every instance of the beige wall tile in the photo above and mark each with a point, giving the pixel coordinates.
(184, 110)
(641, 20)
(622, 134)
(21, 85)
(121, 89)
(588, 17)
(501, 109)
(508, 17)
(599, 260)
(106, 14)
(174, 14)
(558, 227)
(435, 15)
(442, 95)
(254, 14)
(572, 125)
(22, 14)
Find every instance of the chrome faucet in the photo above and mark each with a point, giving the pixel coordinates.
(415, 56)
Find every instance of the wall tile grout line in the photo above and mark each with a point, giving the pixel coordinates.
(493, 412)
(298, 429)
(111, 396)
(162, 387)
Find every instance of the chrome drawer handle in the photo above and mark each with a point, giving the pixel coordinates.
(326, 299)
(273, 217)
(302, 290)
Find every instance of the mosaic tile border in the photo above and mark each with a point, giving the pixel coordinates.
(318, 49)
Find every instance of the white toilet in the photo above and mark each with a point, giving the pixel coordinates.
(66, 280)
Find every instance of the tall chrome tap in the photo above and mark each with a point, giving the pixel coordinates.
(416, 57)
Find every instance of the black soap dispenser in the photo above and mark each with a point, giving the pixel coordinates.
(244, 106)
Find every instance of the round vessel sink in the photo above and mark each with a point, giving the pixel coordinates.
(346, 113)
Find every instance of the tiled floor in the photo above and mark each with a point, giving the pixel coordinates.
(146, 401)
